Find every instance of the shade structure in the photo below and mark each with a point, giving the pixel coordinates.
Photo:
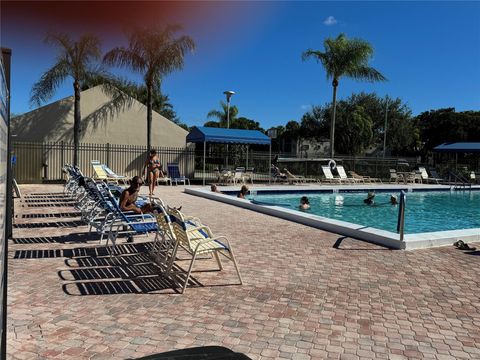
(459, 147)
(203, 134)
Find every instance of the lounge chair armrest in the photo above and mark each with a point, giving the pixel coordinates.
(202, 227)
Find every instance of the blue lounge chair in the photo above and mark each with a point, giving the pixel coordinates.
(174, 173)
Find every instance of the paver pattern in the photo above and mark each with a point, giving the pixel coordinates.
(307, 293)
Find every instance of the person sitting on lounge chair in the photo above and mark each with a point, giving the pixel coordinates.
(277, 174)
(370, 198)
(130, 195)
(243, 192)
(304, 203)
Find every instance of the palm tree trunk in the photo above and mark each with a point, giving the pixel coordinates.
(76, 121)
(149, 116)
(332, 123)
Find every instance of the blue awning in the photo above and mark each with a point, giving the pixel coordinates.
(227, 136)
(459, 147)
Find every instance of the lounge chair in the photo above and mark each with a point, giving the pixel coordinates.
(329, 176)
(435, 175)
(164, 179)
(238, 175)
(428, 179)
(293, 179)
(199, 240)
(394, 177)
(248, 175)
(277, 175)
(174, 172)
(343, 175)
(297, 179)
(103, 172)
(364, 179)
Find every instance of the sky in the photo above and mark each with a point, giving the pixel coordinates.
(428, 51)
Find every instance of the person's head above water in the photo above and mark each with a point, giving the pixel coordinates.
(370, 197)
(304, 200)
(393, 199)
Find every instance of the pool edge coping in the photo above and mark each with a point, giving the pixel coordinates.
(361, 232)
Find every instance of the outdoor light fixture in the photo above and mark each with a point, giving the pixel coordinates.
(228, 94)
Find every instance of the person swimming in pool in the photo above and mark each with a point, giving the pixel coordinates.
(304, 203)
(393, 200)
(370, 198)
(243, 192)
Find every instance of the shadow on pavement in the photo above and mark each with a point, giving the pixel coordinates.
(205, 352)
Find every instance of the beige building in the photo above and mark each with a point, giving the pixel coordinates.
(54, 123)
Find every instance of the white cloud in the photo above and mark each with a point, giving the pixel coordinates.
(305, 107)
(330, 21)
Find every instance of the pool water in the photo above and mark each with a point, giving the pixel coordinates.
(425, 211)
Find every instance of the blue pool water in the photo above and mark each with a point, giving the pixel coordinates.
(425, 211)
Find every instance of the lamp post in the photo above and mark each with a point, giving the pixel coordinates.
(385, 128)
(228, 94)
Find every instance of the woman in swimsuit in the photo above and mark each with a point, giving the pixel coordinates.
(153, 167)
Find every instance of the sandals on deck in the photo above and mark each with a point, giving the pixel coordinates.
(463, 246)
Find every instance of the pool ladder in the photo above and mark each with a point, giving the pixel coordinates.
(401, 215)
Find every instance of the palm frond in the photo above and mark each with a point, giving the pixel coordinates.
(123, 57)
(43, 89)
(216, 114)
(365, 73)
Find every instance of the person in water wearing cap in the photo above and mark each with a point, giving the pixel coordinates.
(370, 198)
(393, 200)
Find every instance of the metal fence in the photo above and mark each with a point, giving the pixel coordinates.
(41, 162)
(366, 166)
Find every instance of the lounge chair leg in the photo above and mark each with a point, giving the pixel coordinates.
(219, 262)
(235, 263)
(188, 273)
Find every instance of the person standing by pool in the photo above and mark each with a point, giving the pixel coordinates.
(154, 168)
(370, 198)
(243, 192)
(304, 203)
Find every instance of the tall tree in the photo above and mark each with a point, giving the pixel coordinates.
(75, 60)
(221, 115)
(154, 53)
(344, 57)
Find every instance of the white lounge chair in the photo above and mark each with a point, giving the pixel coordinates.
(343, 175)
(329, 176)
(103, 172)
(425, 177)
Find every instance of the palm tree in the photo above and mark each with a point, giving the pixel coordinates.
(74, 59)
(221, 115)
(344, 57)
(153, 53)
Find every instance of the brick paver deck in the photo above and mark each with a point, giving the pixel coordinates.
(302, 298)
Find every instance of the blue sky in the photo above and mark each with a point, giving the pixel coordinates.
(429, 51)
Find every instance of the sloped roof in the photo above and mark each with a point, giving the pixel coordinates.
(54, 123)
(232, 136)
(459, 147)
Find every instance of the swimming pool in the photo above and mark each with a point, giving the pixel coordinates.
(426, 211)
(436, 215)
